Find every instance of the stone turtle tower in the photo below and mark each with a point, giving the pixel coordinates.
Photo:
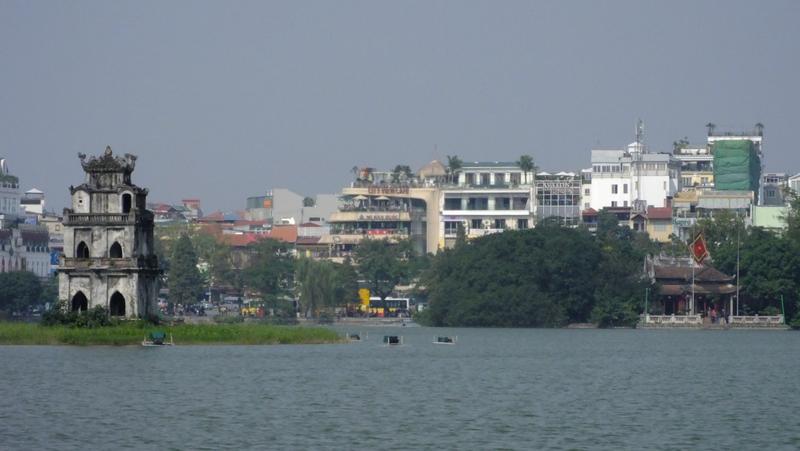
(108, 255)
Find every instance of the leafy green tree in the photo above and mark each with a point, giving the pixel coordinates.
(454, 164)
(184, 280)
(270, 272)
(527, 165)
(347, 288)
(165, 236)
(401, 173)
(308, 202)
(543, 277)
(50, 291)
(769, 269)
(382, 265)
(461, 235)
(19, 290)
(316, 283)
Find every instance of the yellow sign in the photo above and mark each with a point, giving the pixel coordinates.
(363, 295)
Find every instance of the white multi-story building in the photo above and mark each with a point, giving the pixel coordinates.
(697, 166)
(794, 183)
(25, 249)
(32, 203)
(633, 178)
(489, 197)
(9, 194)
(773, 186)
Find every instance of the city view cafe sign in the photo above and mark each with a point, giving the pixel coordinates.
(382, 216)
(387, 190)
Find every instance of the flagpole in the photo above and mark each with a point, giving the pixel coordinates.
(691, 304)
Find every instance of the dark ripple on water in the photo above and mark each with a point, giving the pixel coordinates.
(496, 389)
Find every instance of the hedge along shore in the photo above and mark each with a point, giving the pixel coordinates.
(183, 334)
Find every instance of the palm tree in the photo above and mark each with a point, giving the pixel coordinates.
(760, 129)
(525, 163)
(454, 164)
(711, 126)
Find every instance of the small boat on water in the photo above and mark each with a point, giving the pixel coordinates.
(157, 338)
(392, 340)
(355, 336)
(445, 340)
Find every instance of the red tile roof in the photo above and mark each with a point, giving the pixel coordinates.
(285, 233)
(659, 213)
(241, 240)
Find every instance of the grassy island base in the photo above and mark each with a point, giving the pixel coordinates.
(184, 334)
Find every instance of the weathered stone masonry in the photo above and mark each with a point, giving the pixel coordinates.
(108, 257)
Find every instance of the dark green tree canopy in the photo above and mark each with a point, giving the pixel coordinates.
(19, 290)
(270, 272)
(382, 264)
(184, 280)
(543, 277)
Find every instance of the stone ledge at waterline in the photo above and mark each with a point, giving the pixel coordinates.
(183, 334)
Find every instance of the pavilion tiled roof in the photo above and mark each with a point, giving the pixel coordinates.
(659, 213)
(701, 274)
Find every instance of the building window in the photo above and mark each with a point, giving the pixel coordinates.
(476, 224)
(625, 203)
(451, 227)
(478, 203)
(470, 178)
(486, 179)
(82, 251)
(516, 178)
(499, 178)
(126, 203)
(502, 203)
(625, 188)
(452, 204)
(587, 191)
(614, 189)
(613, 203)
(115, 251)
(522, 224)
(499, 223)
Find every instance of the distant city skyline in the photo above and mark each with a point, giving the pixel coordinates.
(225, 101)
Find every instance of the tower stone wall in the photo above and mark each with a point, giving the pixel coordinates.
(108, 257)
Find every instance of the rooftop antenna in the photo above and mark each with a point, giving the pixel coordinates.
(639, 132)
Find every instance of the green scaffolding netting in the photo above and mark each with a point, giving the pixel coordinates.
(737, 165)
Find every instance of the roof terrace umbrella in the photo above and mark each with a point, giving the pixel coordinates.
(360, 197)
(382, 198)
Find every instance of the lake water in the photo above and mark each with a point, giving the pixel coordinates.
(497, 388)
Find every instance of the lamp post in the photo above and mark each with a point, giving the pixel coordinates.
(737, 269)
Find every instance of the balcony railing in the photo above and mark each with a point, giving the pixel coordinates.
(87, 263)
(758, 321)
(356, 216)
(100, 218)
(673, 320)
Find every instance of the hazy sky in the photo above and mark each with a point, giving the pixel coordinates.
(224, 100)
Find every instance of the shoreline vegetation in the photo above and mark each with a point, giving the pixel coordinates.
(183, 334)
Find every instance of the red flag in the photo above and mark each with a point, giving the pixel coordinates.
(698, 248)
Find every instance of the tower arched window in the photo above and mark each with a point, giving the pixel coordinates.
(116, 305)
(79, 302)
(115, 251)
(126, 203)
(82, 251)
